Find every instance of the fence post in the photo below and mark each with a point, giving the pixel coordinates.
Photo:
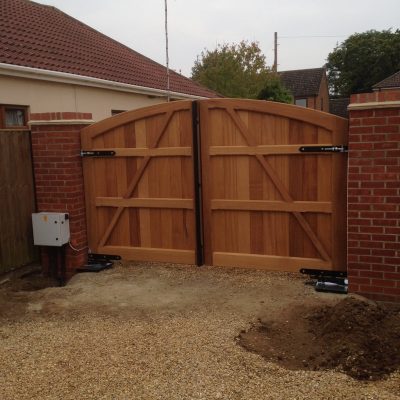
(58, 175)
(374, 195)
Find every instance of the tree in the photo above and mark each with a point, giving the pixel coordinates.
(362, 60)
(273, 90)
(233, 70)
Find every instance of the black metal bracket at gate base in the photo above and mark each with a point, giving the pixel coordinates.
(320, 273)
(98, 262)
(327, 281)
(323, 149)
(97, 153)
(94, 257)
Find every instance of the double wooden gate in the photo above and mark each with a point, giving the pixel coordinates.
(221, 182)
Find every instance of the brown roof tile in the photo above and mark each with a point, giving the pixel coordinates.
(302, 82)
(40, 36)
(393, 81)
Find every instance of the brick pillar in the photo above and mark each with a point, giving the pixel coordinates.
(58, 175)
(374, 195)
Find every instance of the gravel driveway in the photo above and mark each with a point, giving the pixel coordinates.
(158, 332)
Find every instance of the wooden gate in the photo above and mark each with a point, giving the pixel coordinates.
(140, 202)
(257, 196)
(267, 203)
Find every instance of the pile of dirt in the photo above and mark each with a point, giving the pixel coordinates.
(355, 336)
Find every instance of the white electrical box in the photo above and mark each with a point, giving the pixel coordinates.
(50, 228)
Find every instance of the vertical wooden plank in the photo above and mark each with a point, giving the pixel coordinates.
(156, 229)
(257, 180)
(310, 187)
(219, 228)
(282, 165)
(266, 137)
(143, 187)
(111, 183)
(230, 136)
(296, 178)
(131, 168)
(100, 188)
(324, 179)
(243, 193)
(16, 199)
(164, 167)
(274, 222)
(178, 235)
(121, 234)
(157, 174)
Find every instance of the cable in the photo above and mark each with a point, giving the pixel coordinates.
(75, 249)
(311, 36)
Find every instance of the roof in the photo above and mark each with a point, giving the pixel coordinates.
(40, 36)
(339, 107)
(393, 81)
(302, 82)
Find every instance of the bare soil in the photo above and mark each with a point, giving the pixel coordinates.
(160, 331)
(29, 282)
(355, 336)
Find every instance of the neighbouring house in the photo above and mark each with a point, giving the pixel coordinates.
(339, 106)
(390, 83)
(309, 87)
(51, 62)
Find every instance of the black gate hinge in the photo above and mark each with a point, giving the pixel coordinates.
(95, 257)
(97, 153)
(323, 149)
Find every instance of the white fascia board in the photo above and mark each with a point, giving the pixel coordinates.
(374, 104)
(72, 79)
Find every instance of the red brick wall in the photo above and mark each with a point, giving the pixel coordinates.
(58, 175)
(374, 195)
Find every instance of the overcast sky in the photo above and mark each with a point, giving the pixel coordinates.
(197, 24)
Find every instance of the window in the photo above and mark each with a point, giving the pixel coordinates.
(12, 117)
(301, 102)
(322, 104)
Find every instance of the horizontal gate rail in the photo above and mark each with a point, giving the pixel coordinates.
(151, 254)
(143, 203)
(269, 205)
(273, 263)
(145, 152)
(262, 150)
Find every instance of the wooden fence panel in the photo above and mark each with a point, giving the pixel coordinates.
(140, 202)
(17, 200)
(265, 203)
